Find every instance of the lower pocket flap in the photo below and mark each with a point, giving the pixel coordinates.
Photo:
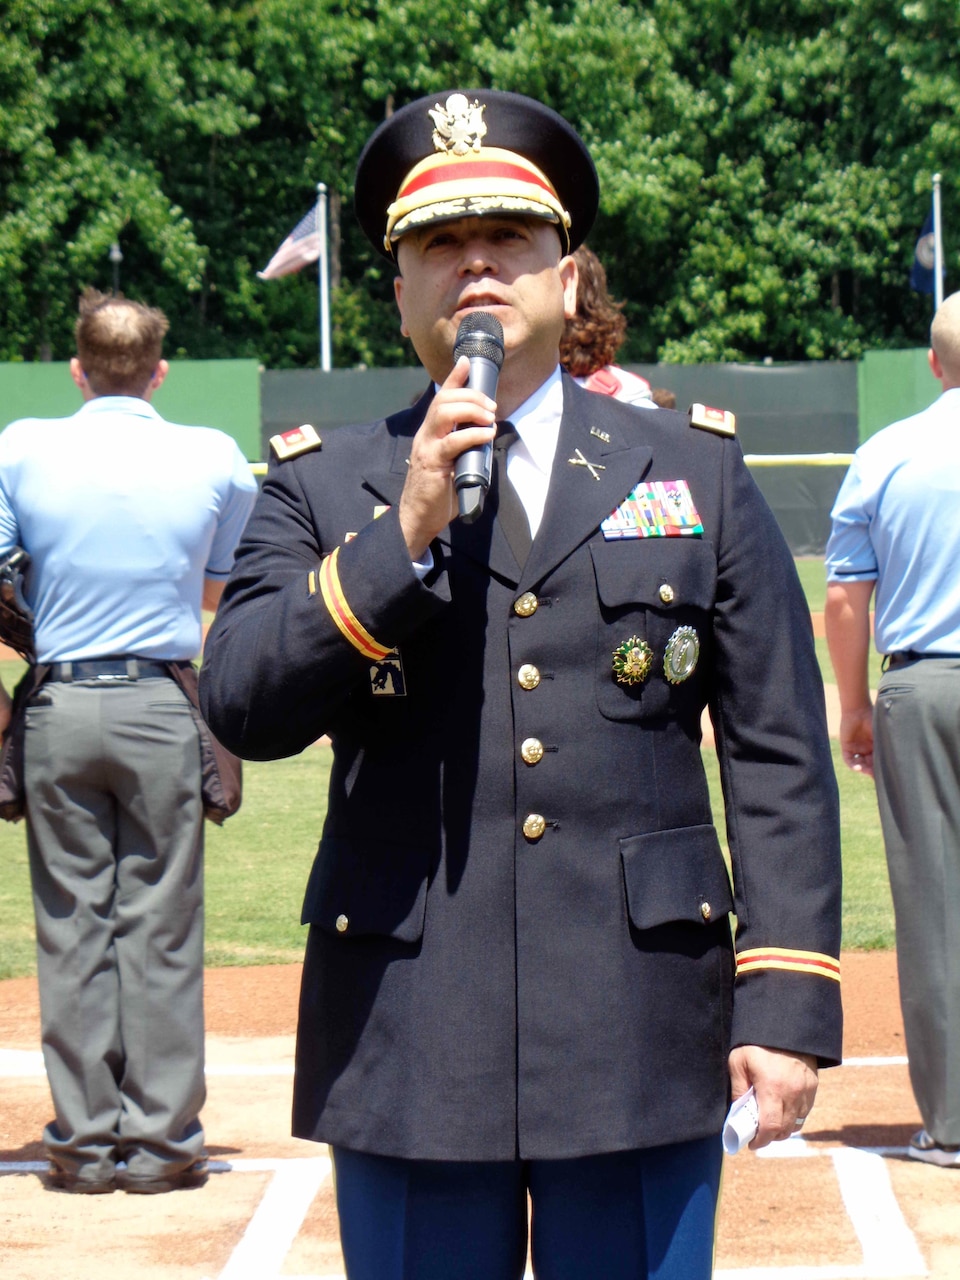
(355, 891)
(675, 875)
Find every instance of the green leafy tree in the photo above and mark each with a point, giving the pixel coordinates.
(101, 106)
(764, 167)
(816, 181)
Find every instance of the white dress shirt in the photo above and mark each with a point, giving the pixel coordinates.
(530, 460)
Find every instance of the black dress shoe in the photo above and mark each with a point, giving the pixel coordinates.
(195, 1175)
(60, 1179)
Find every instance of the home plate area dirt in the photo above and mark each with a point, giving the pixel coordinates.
(841, 1203)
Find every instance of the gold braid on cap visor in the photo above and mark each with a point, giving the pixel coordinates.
(492, 181)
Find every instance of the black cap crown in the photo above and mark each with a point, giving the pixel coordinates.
(469, 152)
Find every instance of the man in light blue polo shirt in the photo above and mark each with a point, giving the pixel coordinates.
(895, 530)
(131, 524)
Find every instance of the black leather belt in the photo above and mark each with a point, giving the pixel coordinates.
(108, 669)
(910, 655)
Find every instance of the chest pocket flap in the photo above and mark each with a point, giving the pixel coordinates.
(634, 571)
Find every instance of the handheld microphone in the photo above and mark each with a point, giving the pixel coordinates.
(480, 338)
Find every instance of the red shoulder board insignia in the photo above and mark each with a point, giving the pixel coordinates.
(291, 443)
(720, 420)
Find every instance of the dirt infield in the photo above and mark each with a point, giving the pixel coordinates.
(842, 1203)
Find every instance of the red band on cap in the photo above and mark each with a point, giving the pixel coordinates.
(453, 172)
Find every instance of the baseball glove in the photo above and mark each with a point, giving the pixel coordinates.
(16, 616)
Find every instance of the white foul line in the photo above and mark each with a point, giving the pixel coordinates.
(852, 1272)
(875, 1062)
(279, 1216)
(889, 1248)
(888, 1245)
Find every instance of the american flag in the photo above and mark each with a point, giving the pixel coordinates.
(301, 247)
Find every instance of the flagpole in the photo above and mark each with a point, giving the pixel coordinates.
(937, 246)
(323, 278)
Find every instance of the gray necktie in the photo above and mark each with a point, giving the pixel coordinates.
(510, 512)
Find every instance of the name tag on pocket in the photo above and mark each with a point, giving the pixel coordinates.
(654, 509)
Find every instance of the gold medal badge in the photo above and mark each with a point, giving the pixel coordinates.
(632, 661)
(681, 655)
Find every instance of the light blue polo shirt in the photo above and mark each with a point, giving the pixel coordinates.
(123, 515)
(895, 519)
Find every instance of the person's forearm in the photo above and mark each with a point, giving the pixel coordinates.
(212, 591)
(847, 624)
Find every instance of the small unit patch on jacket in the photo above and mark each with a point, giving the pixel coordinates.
(386, 676)
(291, 443)
(720, 420)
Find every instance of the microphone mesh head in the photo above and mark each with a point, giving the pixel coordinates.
(480, 334)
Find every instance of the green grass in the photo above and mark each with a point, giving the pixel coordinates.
(257, 863)
(813, 579)
(867, 906)
(256, 870)
(257, 866)
(11, 669)
(18, 948)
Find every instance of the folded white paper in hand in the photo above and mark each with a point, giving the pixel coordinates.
(742, 1122)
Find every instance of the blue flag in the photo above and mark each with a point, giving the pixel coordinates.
(921, 273)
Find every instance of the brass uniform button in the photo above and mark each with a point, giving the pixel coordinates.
(534, 825)
(667, 593)
(531, 750)
(528, 677)
(343, 924)
(706, 910)
(526, 605)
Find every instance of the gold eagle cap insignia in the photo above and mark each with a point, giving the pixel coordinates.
(458, 125)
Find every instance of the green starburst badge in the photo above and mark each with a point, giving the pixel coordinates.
(632, 661)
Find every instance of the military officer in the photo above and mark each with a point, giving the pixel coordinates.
(521, 976)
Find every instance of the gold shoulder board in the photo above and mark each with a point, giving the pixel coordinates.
(291, 443)
(722, 421)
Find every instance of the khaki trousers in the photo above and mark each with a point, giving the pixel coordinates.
(917, 769)
(115, 840)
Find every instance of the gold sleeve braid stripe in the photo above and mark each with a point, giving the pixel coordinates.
(343, 615)
(781, 958)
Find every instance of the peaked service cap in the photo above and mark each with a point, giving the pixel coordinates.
(469, 152)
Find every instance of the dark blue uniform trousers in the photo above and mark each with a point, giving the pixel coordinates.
(633, 1215)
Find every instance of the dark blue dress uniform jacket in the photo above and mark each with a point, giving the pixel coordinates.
(472, 992)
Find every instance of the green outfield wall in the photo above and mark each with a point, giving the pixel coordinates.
(784, 411)
(892, 385)
(206, 393)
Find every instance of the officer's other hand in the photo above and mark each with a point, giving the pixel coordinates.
(785, 1085)
(856, 740)
(429, 502)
